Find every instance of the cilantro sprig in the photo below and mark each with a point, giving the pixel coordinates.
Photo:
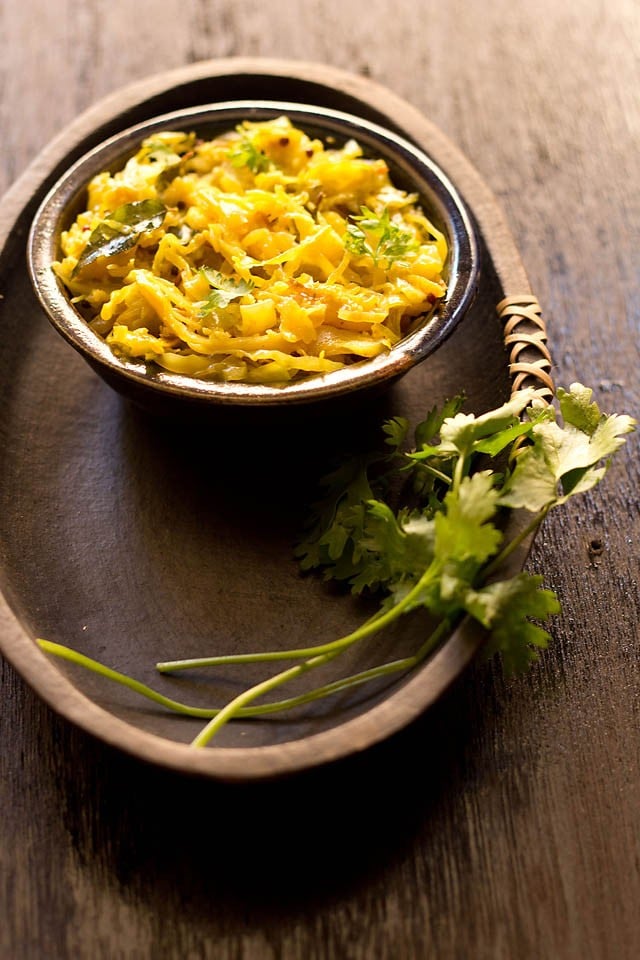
(224, 290)
(423, 528)
(378, 237)
(246, 154)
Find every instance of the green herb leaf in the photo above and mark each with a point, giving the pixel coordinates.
(505, 609)
(463, 530)
(395, 431)
(565, 458)
(435, 555)
(577, 408)
(121, 230)
(246, 154)
(170, 156)
(224, 291)
(378, 237)
(429, 428)
(338, 519)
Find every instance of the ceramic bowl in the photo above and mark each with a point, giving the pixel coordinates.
(410, 168)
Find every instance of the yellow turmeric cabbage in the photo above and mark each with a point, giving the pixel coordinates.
(261, 255)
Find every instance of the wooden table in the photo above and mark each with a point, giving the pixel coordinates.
(505, 823)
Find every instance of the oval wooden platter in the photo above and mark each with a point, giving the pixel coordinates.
(134, 539)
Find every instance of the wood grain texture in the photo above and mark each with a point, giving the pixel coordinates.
(506, 822)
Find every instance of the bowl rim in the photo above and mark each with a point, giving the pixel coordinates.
(441, 195)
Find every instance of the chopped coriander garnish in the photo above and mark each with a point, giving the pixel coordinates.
(378, 237)
(246, 154)
(224, 290)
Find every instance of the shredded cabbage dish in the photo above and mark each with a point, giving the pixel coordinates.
(259, 256)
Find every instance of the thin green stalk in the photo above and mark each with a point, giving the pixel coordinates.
(66, 653)
(371, 626)
(432, 640)
(438, 474)
(355, 679)
(458, 472)
(196, 663)
(515, 543)
(207, 713)
(329, 652)
(336, 686)
(232, 708)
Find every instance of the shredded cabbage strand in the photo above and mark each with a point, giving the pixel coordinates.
(267, 256)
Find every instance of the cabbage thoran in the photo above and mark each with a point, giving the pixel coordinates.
(260, 256)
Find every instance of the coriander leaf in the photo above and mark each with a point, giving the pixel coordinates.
(504, 608)
(335, 540)
(464, 433)
(429, 428)
(396, 549)
(576, 408)
(169, 156)
(496, 443)
(224, 291)
(463, 531)
(396, 431)
(383, 547)
(168, 151)
(533, 484)
(341, 509)
(355, 241)
(378, 237)
(460, 434)
(246, 154)
(564, 456)
(121, 230)
(158, 151)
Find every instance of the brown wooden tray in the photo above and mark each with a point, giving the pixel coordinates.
(136, 540)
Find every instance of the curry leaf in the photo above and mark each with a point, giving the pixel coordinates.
(121, 230)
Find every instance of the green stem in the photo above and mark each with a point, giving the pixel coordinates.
(232, 708)
(238, 706)
(336, 686)
(329, 651)
(371, 626)
(207, 713)
(515, 543)
(66, 653)
(196, 663)
(355, 679)
(438, 474)
(433, 639)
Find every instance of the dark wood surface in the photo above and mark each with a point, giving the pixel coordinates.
(506, 822)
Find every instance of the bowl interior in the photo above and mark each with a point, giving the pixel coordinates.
(410, 169)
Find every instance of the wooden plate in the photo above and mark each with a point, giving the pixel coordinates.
(136, 539)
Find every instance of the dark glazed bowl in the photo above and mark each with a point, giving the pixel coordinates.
(410, 168)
